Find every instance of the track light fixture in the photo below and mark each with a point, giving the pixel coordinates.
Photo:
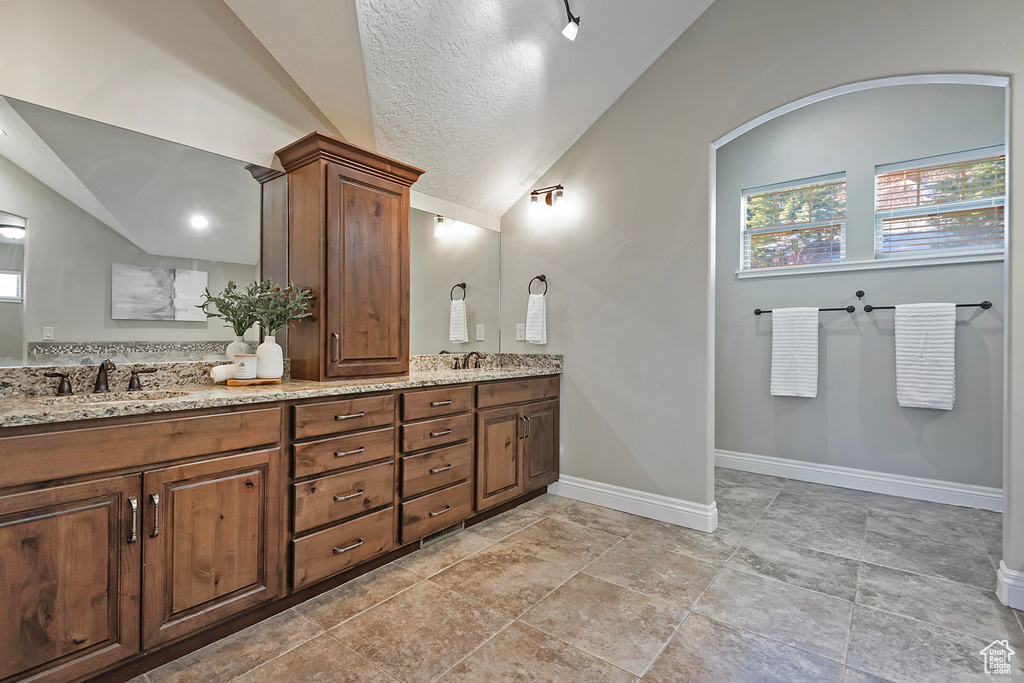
(573, 27)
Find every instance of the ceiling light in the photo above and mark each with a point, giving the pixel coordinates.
(199, 222)
(12, 232)
(573, 27)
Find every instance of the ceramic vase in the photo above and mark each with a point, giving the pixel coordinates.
(271, 359)
(235, 348)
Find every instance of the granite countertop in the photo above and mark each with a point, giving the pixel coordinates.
(19, 412)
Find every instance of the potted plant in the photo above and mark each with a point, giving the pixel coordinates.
(234, 306)
(276, 306)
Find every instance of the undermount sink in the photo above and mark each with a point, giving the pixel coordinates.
(112, 397)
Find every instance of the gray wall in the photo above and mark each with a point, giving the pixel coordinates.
(855, 420)
(12, 343)
(67, 270)
(436, 265)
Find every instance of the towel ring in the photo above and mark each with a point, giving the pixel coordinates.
(542, 278)
(451, 295)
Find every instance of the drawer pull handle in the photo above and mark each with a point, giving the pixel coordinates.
(529, 426)
(342, 454)
(435, 514)
(434, 404)
(435, 470)
(133, 534)
(339, 551)
(447, 431)
(349, 417)
(338, 499)
(523, 434)
(156, 514)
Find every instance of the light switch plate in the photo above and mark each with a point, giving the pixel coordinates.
(520, 331)
(479, 332)
(47, 334)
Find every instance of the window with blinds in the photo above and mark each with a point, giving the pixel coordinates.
(795, 224)
(941, 205)
(10, 284)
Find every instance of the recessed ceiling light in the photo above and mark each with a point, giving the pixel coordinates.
(199, 222)
(12, 232)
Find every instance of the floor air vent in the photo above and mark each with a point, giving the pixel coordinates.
(443, 533)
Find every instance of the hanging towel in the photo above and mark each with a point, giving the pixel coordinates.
(458, 332)
(795, 352)
(925, 355)
(537, 319)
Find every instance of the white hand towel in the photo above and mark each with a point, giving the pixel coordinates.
(795, 352)
(537, 319)
(222, 373)
(458, 332)
(925, 355)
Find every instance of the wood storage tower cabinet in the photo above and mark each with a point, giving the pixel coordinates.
(347, 237)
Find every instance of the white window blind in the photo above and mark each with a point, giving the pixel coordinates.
(793, 224)
(10, 284)
(949, 204)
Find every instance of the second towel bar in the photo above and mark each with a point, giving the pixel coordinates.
(984, 304)
(848, 309)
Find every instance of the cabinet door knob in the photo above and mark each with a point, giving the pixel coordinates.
(155, 497)
(349, 417)
(440, 512)
(339, 551)
(342, 454)
(133, 533)
(338, 499)
(447, 431)
(435, 470)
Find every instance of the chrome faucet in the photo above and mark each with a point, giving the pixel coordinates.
(465, 360)
(101, 386)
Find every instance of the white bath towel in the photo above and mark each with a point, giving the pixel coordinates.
(925, 356)
(795, 352)
(537, 319)
(458, 332)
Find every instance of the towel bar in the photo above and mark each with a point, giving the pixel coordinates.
(984, 304)
(848, 309)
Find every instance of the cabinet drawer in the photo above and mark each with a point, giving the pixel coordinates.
(436, 432)
(437, 510)
(335, 417)
(334, 550)
(516, 391)
(435, 469)
(343, 451)
(447, 401)
(329, 499)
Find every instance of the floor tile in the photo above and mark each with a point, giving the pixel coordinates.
(520, 653)
(712, 652)
(545, 503)
(834, 537)
(323, 660)
(347, 600)
(139, 679)
(745, 495)
(818, 571)
(925, 556)
(940, 602)
(715, 547)
(931, 527)
(810, 621)
(830, 494)
(443, 554)
(507, 523)
(420, 633)
(565, 543)
(657, 573)
(596, 517)
(233, 656)
(738, 516)
(854, 676)
(908, 651)
(618, 625)
(748, 478)
(505, 577)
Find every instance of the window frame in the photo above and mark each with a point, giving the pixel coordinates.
(880, 216)
(745, 234)
(21, 286)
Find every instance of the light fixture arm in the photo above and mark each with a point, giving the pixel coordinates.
(568, 11)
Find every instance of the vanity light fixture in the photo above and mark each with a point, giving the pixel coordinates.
(573, 27)
(442, 227)
(552, 196)
(199, 222)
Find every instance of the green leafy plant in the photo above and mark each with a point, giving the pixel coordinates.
(233, 305)
(276, 306)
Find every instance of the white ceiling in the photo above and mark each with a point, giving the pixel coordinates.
(485, 95)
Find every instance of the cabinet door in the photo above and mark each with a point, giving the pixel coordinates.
(69, 580)
(540, 447)
(498, 470)
(212, 542)
(367, 275)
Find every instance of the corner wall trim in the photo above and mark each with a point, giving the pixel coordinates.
(1010, 587)
(651, 505)
(934, 490)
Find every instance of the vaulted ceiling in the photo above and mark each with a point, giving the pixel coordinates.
(485, 95)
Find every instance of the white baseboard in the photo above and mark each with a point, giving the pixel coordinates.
(651, 505)
(1010, 587)
(967, 495)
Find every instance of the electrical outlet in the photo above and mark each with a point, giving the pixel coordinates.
(47, 334)
(479, 332)
(520, 331)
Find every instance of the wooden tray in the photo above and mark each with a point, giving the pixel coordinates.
(252, 382)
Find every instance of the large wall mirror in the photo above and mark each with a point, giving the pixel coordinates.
(107, 238)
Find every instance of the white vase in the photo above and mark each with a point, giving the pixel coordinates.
(236, 347)
(271, 359)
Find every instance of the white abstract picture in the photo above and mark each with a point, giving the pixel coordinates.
(139, 293)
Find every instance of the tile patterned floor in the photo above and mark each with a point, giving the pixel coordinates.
(801, 582)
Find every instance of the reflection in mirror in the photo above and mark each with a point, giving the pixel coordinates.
(96, 197)
(441, 257)
(12, 268)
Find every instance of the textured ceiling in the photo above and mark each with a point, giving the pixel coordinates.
(487, 94)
